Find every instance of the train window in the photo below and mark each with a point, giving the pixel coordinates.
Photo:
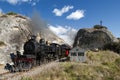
(73, 54)
(80, 54)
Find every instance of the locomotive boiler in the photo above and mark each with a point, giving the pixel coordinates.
(31, 47)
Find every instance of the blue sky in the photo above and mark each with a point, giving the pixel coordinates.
(69, 14)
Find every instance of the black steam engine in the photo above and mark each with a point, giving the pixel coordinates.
(36, 53)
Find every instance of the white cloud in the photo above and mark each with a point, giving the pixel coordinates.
(14, 2)
(78, 14)
(33, 4)
(59, 12)
(66, 33)
(25, 0)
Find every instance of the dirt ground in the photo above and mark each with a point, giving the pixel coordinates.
(2, 70)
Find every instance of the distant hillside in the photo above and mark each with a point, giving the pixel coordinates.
(91, 38)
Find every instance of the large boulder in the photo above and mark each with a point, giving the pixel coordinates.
(94, 38)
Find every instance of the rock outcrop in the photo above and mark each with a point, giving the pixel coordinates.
(15, 29)
(93, 38)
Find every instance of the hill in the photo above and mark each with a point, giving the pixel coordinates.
(15, 30)
(102, 65)
(92, 38)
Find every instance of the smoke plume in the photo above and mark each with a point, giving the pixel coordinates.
(38, 25)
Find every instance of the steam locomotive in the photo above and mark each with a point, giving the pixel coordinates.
(36, 53)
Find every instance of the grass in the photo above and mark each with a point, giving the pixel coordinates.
(101, 57)
(102, 65)
(25, 78)
(2, 43)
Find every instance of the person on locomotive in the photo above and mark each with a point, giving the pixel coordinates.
(12, 55)
(18, 53)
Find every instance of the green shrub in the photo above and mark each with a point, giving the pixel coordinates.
(11, 13)
(99, 27)
(2, 43)
(113, 46)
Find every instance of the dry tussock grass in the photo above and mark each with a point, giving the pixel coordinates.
(102, 65)
(1, 64)
(101, 57)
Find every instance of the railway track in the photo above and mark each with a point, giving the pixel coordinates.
(7, 75)
(16, 75)
(31, 72)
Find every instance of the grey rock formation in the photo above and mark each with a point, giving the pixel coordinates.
(93, 38)
(14, 31)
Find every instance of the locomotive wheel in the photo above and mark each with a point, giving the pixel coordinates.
(24, 66)
(29, 66)
(20, 66)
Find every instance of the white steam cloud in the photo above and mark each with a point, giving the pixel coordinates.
(38, 25)
(66, 33)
